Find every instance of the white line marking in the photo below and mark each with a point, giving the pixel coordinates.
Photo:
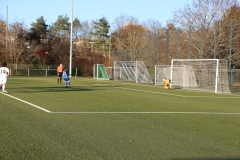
(27, 103)
(177, 95)
(150, 91)
(45, 110)
(100, 85)
(206, 113)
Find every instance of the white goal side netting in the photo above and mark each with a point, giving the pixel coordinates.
(200, 74)
(110, 72)
(131, 71)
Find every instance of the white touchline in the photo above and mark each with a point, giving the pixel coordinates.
(206, 113)
(27, 103)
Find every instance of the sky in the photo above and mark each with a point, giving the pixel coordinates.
(28, 11)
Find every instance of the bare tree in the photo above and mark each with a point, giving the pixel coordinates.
(129, 37)
(82, 45)
(17, 45)
(123, 20)
(85, 30)
(2, 39)
(205, 20)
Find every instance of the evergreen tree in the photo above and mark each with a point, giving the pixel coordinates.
(39, 29)
(62, 27)
(100, 33)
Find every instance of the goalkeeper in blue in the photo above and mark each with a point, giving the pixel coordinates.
(66, 78)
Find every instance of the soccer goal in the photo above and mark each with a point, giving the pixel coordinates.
(131, 71)
(99, 72)
(200, 74)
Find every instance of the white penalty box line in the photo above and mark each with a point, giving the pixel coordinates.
(45, 110)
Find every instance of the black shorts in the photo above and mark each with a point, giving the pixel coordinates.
(59, 74)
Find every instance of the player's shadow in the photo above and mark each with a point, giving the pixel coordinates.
(50, 89)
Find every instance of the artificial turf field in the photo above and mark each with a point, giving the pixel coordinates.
(108, 120)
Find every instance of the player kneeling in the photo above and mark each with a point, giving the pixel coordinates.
(66, 78)
(167, 83)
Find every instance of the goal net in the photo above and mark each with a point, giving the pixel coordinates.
(200, 74)
(99, 72)
(131, 71)
(110, 72)
(163, 72)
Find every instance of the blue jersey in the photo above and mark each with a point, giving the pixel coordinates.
(65, 75)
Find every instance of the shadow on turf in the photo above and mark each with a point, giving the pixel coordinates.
(49, 89)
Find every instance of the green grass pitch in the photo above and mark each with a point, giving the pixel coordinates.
(107, 120)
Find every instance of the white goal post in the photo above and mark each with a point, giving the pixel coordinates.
(200, 74)
(131, 71)
(99, 72)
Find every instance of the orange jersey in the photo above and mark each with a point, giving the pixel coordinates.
(60, 69)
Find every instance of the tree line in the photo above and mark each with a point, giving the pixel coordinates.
(204, 29)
